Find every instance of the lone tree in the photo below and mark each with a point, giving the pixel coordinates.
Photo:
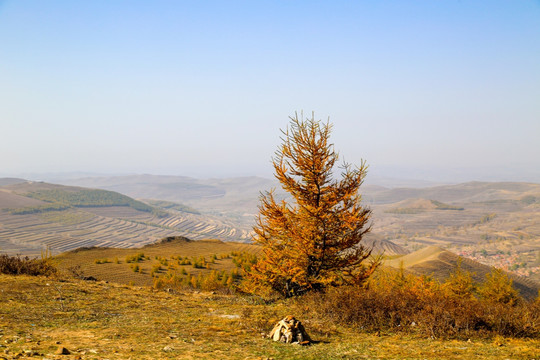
(316, 240)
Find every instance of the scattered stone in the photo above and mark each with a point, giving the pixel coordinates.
(168, 349)
(230, 316)
(62, 351)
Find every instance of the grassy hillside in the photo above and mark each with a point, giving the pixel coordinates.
(172, 205)
(91, 198)
(98, 320)
(116, 313)
(234, 198)
(439, 263)
(160, 259)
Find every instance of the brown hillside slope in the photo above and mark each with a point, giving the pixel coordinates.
(440, 263)
(110, 264)
(382, 246)
(9, 200)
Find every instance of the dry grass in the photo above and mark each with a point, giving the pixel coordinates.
(458, 308)
(117, 269)
(96, 320)
(16, 265)
(438, 263)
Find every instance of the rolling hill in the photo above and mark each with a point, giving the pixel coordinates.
(496, 223)
(110, 264)
(440, 263)
(35, 216)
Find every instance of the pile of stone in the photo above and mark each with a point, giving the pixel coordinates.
(290, 331)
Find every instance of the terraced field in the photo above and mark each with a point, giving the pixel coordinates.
(32, 233)
(102, 226)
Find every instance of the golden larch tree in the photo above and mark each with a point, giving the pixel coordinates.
(315, 240)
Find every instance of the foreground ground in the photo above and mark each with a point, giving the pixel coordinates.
(98, 320)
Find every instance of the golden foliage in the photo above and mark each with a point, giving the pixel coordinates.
(396, 301)
(314, 242)
(498, 288)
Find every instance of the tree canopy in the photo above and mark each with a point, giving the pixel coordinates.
(315, 240)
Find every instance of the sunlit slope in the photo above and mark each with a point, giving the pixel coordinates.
(380, 246)
(440, 263)
(111, 264)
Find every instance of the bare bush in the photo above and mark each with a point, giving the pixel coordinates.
(405, 303)
(16, 265)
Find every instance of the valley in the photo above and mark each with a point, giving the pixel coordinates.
(29, 226)
(493, 223)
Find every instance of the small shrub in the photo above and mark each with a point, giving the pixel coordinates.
(16, 265)
(212, 281)
(156, 268)
(135, 258)
(498, 288)
(198, 263)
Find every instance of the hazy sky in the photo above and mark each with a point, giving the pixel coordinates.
(419, 89)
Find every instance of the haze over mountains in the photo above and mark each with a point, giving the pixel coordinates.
(494, 223)
(36, 215)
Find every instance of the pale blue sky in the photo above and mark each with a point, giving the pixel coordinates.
(426, 89)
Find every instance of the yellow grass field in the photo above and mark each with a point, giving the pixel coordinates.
(115, 268)
(99, 320)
